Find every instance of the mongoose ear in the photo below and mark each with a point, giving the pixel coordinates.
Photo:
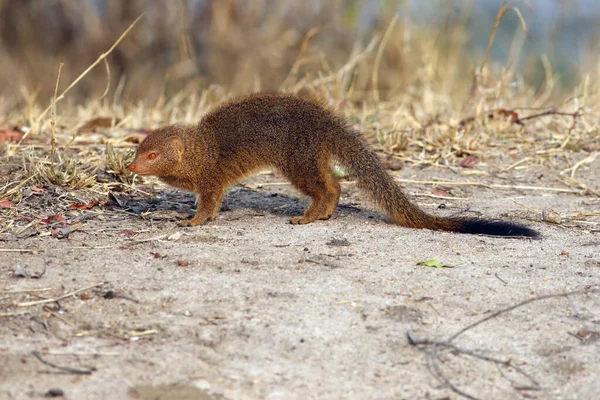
(177, 145)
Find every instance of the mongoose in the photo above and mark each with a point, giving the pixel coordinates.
(301, 138)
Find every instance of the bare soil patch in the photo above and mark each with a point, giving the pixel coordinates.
(249, 306)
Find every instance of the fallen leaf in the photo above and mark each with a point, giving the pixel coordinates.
(101, 122)
(53, 218)
(435, 264)
(135, 138)
(440, 192)
(83, 206)
(10, 135)
(128, 232)
(6, 204)
(588, 336)
(469, 162)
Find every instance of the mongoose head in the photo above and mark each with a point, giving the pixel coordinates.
(160, 153)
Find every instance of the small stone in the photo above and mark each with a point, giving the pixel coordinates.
(551, 216)
(54, 393)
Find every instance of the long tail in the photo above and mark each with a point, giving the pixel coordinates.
(350, 149)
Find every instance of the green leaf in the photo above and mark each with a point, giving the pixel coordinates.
(435, 264)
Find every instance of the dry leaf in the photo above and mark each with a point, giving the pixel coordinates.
(98, 123)
(10, 135)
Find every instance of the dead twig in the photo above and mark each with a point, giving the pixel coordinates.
(19, 250)
(431, 347)
(25, 290)
(54, 300)
(66, 370)
(521, 304)
(453, 183)
(513, 116)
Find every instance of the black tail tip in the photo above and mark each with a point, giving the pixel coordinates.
(497, 228)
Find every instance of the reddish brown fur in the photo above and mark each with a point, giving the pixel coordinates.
(298, 136)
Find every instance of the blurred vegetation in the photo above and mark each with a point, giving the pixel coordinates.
(245, 46)
(447, 84)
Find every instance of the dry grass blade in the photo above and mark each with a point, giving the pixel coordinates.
(83, 74)
(5, 193)
(53, 120)
(504, 8)
(65, 173)
(379, 55)
(117, 164)
(64, 296)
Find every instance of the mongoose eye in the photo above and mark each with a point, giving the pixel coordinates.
(151, 156)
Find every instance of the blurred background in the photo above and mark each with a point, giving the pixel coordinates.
(248, 45)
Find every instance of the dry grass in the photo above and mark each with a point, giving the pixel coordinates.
(117, 164)
(417, 94)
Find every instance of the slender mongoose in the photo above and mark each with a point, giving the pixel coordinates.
(301, 138)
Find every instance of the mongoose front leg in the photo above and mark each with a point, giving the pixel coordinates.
(209, 204)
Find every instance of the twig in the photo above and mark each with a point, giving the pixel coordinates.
(8, 314)
(588, 160)
(438, 373)
(58, 316)
(550, 112)
(81, 353)
(25, 290)
(449, 183)
(518, 305)
(491, 186)
(45, 301)
(433, 345)
(500, 279)
(514, 116)
(68, 370)
(495, 186)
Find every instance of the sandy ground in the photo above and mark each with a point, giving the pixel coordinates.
(251, 307)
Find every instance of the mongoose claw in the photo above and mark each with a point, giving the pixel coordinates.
(190, 222)
(300, 221)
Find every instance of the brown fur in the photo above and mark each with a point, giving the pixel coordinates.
(301, 138)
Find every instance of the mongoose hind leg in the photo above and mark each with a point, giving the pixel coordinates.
(323, 189)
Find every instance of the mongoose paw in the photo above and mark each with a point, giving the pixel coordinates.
(300, 220)
(190, 222)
